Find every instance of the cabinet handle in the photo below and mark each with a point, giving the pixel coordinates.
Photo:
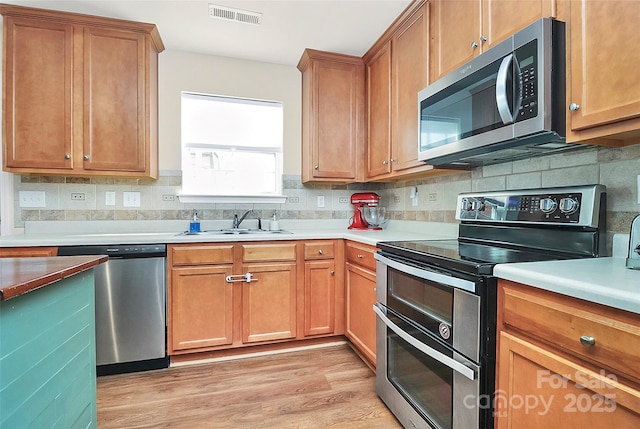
(474, 44)
(86, 157)
(248, 278)
(320, 251)
(67, 156)
(333, 273)
(315, 167)
(393, 160)
(385, 162)
(360, 256)
(574, 107)
(586, 340)
(483, 39)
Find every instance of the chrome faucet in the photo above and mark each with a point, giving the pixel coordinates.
(237, 222)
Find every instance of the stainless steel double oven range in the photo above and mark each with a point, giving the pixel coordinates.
(436, 309)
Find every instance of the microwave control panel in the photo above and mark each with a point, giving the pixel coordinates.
(528, 62)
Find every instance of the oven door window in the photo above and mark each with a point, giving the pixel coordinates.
(423, 381)
(427, 303)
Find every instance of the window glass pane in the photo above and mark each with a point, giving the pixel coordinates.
(231, 146)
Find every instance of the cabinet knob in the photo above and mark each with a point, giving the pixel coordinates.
(315, 167)
(474, 44)
(483, 39)
(385, 162)
(586, 340)
(67, 156)
(333, 273)
(393, 160)
(86, 157)
(360, 256)
(320, 251)
(574, 106)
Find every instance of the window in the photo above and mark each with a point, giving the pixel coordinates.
(231, 149)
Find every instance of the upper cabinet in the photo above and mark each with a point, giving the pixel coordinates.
(464, 29)
(396, 68)
(332, 116)
(80, 94)
(603, 95)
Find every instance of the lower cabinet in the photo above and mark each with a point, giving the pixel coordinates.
(27, 252)
(228, 295)
(360, 296)
(565, 360)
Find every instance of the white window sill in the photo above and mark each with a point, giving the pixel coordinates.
(240, 199)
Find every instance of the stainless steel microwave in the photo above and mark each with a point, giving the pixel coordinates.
(506, 104)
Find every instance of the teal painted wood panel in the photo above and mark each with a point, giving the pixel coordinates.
(47, 356)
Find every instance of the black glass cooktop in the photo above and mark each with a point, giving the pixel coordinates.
(466, 257)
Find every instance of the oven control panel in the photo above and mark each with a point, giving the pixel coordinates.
(579, 205)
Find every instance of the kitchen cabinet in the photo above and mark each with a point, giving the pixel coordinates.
(323, 291)
(463, 29)
(81, 94)
(603, 95)
(396, 69)
(360, 297)
(200, 301)
(564, 359)
(25, 252)
(332, 117)
(269, 301)
(223, 295)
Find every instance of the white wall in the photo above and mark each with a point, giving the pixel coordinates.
(183, 71)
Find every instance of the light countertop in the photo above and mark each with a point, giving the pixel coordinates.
(601, 280)
(167, 232)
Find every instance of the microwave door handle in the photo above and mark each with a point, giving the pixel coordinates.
(470, 373)
(501, 90)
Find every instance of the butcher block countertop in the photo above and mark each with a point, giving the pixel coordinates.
(21, 275)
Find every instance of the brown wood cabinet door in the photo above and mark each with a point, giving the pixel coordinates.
(360, 318)
(378, 77)
(38, 94)
(115, 101)
(456, 26)
(338, 98)
(269, 303)
(200, 308)
(27, 252)
(537, 389)
(319, 297)
(409, 74)
(604, 63)
(502, 18)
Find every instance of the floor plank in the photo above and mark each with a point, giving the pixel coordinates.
(318, 388)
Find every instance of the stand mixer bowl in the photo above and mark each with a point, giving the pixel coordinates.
(375, 216)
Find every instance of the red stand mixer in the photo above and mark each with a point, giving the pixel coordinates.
(359, 200)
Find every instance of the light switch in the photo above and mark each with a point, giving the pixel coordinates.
(109, 198)
(131, 199)
(32, 199)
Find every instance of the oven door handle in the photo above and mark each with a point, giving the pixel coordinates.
(470, 373)
(427, 274)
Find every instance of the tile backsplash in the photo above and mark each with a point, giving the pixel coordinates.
(616, 168)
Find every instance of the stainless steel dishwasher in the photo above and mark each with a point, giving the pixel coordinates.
(130, 306)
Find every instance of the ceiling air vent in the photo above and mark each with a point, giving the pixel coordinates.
(233, 14)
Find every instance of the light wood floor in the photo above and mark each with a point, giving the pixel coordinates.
(319, 388)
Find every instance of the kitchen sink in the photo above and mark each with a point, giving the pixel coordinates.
(238, 231)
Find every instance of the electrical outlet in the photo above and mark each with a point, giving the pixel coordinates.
(294, 200)
(320, 200)
(110, 198)
(343, 200)
(168, 197)
(77, 196)
(31, 199)
(433, 196)
(131, 199)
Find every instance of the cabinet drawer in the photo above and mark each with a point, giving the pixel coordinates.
(268, 252)
(201, 255)
(562, 321)
(319, 250)
(361, 254)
